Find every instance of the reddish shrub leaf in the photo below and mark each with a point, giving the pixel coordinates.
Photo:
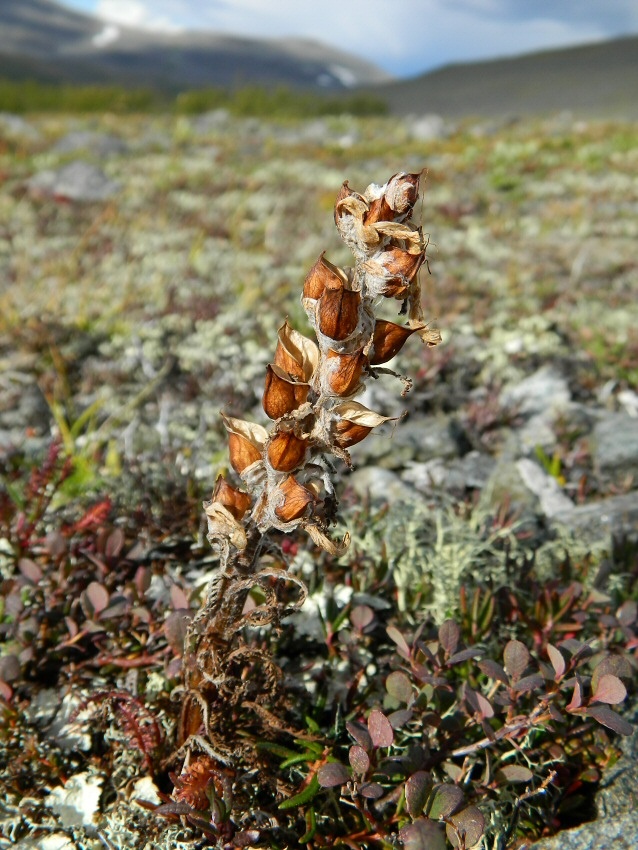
(361, 616)
(514, 773)
(30, 570)
(395, 635)
(423, 834)
(360, 733)
(332, 774)
(114, 543)
(178, 598)
(611, 719)
(417, 790)
(399, 686)
(617, 665)
(529, 683)
(97, 596)
(494, 670)
(371, 790)
(359, 759)
(175, 626)
(557, 661)
(465, 829)
(9, 668)
(449, 635)
(516, 657)
(464, 655)
(380, 729)
(609, 689)
(398, 719)
(485, 706)
(577, 697)
(627, 613)
(444, 800)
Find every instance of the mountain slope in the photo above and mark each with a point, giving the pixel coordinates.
(593, 79)
(41, 39)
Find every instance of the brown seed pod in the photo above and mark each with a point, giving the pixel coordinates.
(286, 451)
(338, 313)
(296, 354)
(355, 423)
(282, 394)
(235, 501)
(323, 275)
(388, 340)
(297, 499)
(245, 442)
(401, 193)
(344, 371)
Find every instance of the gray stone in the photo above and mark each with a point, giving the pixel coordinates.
(15, 127)
(551, 497)
(546, 391)
(416, 439)
(471, 472)
(614, 446)
(427, 127)
(77, 181)
(619, 833)
(99, 144)
(598, 521)
(380, 485)
(618, 792)
(216, 119)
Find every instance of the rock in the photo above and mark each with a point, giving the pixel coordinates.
(210, 122)
(416, 439)
(551, 497)
(617, 793)
(600, 520)
(15, 127)
(471, 472)
(427, 127)
(614, 446)
(98, 144)
(546, 391)
(507, 487)
(380, 485)
(618, 833)
(77, 181)
(538, 399)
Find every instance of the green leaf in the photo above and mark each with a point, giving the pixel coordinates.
(514, 773)
(305, 796)
(468, 826)
(311, 826)
(444, 800)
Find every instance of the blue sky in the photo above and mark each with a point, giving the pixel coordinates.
(403, 36)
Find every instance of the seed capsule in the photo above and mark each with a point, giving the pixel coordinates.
(355, 423)
(286, 451)
(245, 442)
(323, 275)
(296, 501)
(388, 340)
(338, 312)
(282, 395)
(296, 354)
(235, 501)
(344, 371)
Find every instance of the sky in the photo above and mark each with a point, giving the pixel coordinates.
(404, 37)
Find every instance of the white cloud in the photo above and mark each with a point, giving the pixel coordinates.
(136, 13)
(403, 36)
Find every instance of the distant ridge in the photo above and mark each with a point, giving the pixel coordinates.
(598, 79)
(44, 41)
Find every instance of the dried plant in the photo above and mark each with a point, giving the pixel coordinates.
(309, 395)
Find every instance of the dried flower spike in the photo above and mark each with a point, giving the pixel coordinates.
(309, 396)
